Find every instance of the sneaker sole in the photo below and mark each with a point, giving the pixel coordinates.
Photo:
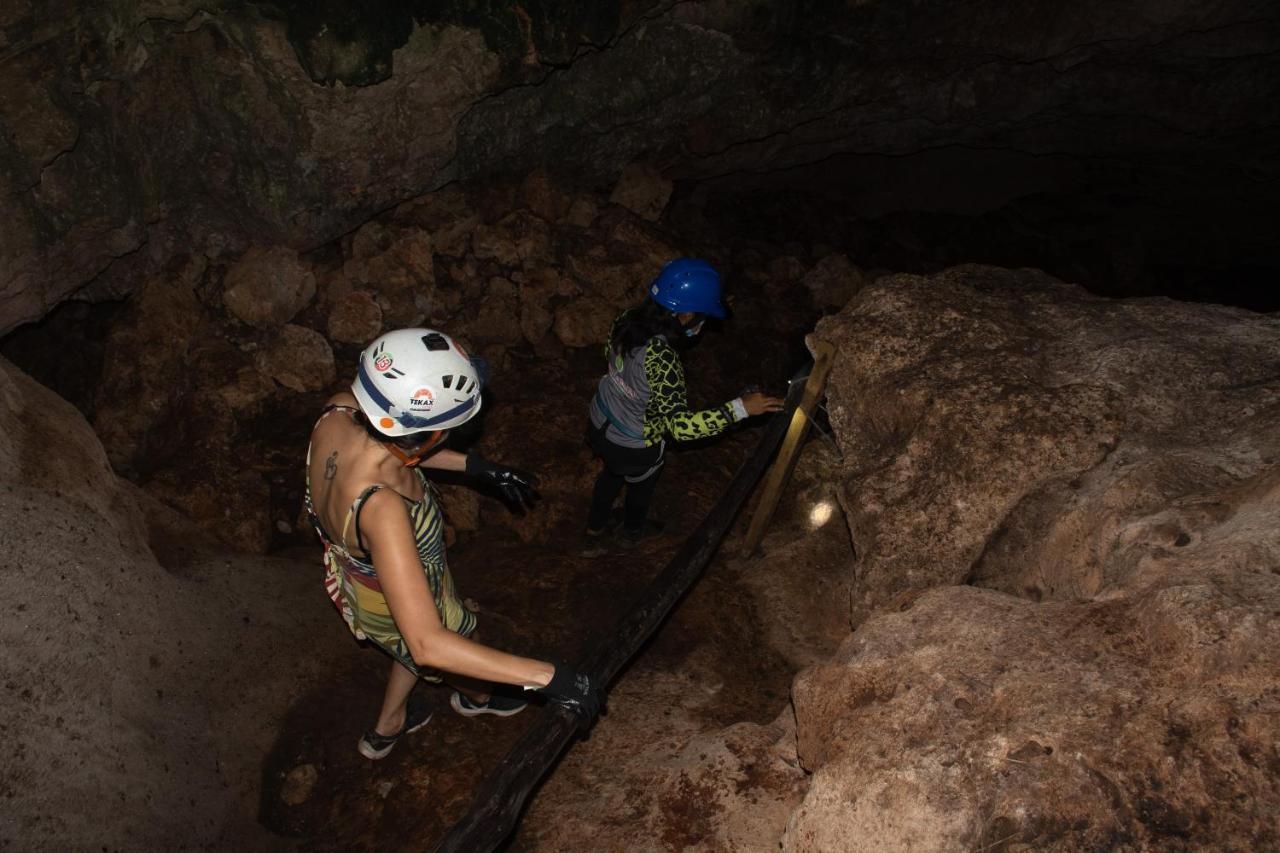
(456, 702)
(374, 754)
(365, 749)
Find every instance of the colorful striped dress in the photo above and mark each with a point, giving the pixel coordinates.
(352, 582)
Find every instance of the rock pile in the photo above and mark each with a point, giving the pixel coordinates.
(218, 360)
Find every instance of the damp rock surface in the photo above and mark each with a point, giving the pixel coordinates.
(1110, 472)
(142, 675)
(1003, 427)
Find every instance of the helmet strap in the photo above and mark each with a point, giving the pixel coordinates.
(418, 455)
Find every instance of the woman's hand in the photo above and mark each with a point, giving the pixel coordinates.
(757, 403)
(519, 488)
(575, 691)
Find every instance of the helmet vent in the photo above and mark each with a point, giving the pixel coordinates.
(435, 342)
(448, 381)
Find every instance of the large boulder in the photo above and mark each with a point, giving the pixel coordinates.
(298, 358)
(968, 401)
(1111, 470)
(267, 287)
(137, 699)
(148, 371)
(643, 190)
(355, 318)
(974, 719)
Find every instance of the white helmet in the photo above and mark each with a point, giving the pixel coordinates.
(412, 380)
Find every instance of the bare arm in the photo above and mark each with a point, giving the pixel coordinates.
(445, 460)
(385, 526)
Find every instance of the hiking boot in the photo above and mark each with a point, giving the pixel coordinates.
(501, 706)
(629, 538)
(374, 746)
(595, 543)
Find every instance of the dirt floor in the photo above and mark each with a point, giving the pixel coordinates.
(539, 599)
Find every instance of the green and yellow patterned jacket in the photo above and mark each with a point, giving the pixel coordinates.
(642, 399)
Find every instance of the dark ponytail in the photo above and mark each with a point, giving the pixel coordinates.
(638, 325)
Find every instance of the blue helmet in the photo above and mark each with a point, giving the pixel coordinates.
(688, 284)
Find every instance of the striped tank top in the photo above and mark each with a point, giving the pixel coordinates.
(352, 581)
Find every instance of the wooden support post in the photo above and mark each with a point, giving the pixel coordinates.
(776, 480)
(500, 799)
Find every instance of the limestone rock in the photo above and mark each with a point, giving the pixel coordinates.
(808, 535)
(969, 399)
(120, 127)
(833, 281)
(130, 717)
(446, 214)
(398, 266)
(33, 420)
(148, 370)
(390, 259)
(268, 287)
(619, 269)
(582, 212)
(355, 318)
(787, 269)
(584, 322)
(232, 505)
(517, 239)
(1111, 470)
(369, 241)
(538, 294)
(539, 193)
(538, 426)
(973, 718)
(461, 506)
(498, 308)
(643, 190)
(248, 390)
(298, 358)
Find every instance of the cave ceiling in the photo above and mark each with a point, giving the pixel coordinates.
(136, 131)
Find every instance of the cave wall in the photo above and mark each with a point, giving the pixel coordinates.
(134, 131)
(141, 681)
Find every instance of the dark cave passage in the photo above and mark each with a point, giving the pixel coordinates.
(1021, 588)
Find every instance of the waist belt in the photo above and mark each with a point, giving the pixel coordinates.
(613, 420)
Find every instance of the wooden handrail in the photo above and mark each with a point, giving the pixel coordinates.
(785, 464)
(498, 803)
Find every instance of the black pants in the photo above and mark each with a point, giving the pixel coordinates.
(638, 468)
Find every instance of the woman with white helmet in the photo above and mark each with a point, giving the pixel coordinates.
(382, 530)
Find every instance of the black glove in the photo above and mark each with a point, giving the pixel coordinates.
(574, 690)
(517, 486)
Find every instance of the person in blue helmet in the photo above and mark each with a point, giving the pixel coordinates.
(642, 399)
